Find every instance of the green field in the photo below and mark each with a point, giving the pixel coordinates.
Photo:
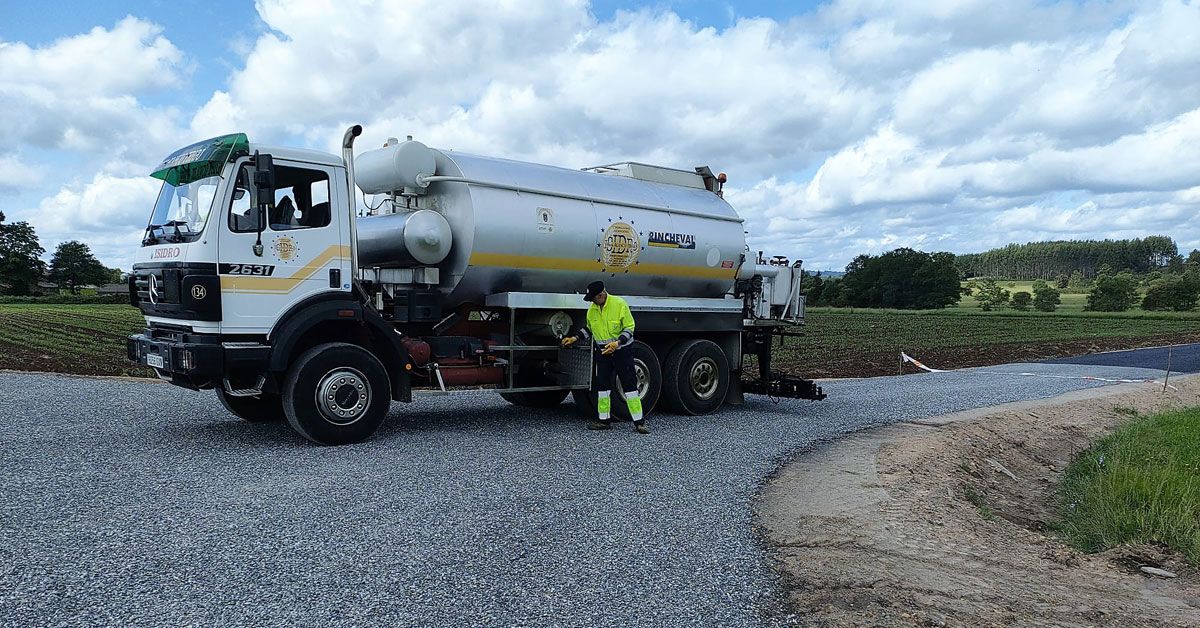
(83, 339)
(837, 342)
(845, 342)
(1139, 485)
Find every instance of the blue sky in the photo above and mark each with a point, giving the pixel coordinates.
(847, 126)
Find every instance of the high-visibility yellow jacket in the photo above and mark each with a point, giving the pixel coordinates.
(612, 322)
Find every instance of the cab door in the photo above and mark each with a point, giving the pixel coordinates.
(305, 250)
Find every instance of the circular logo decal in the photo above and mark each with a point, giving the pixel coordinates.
(199, 292)
(285, 248)
(620, 246)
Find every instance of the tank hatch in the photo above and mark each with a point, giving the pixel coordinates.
(647, 172)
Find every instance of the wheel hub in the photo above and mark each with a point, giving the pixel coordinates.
(704, 378)
(343, 395)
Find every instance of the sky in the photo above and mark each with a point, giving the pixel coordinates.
(846, 126)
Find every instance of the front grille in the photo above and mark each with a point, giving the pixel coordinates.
(162, 290)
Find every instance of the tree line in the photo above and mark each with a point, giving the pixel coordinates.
(21, 266)
(910, 279)
(1053, 260)
(901, 279)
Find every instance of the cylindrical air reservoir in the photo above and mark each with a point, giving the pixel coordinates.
(421, 237)
(394, 168)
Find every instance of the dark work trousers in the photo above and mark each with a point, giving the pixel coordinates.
(619, 362)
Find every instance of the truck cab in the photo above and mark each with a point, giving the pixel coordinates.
(249, 280)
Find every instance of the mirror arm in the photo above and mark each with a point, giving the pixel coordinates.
(264, 189)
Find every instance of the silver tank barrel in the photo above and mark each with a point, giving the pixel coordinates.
(523, 227)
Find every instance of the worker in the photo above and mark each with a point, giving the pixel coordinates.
(610, 328)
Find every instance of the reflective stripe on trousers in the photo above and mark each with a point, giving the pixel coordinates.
(604, 405)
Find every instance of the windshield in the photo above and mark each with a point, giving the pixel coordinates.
(181, 211)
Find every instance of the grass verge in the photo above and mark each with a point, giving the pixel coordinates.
(1139, 485)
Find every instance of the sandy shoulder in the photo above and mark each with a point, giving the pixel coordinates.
(883, 527)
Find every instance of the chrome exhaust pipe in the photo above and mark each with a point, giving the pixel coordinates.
(348, 161)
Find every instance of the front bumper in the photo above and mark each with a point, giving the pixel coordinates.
(196, 360)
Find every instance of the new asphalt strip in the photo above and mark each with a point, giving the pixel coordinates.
(131, 503)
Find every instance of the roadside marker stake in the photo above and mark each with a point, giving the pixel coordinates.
(1168, 375)
(904, 357)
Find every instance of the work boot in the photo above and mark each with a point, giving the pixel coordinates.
(640, 427)
(597, 424)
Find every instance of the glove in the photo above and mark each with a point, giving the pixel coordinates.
(568, 341)
(610, 348)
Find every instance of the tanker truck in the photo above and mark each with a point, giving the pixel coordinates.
(261, 278)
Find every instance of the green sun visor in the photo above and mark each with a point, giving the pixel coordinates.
(202, 159)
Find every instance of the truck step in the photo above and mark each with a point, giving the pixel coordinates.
(245, 392)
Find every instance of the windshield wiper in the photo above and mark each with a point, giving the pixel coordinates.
(178, 235)
(151, 238)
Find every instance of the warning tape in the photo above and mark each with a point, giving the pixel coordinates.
(904, 357)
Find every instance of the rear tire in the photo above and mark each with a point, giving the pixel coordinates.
(336, 394)
(695, 377)
(264, 408)
(535, 398)
(650, 383)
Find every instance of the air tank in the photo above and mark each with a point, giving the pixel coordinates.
(512, 226)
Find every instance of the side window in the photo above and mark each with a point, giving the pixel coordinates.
(301, 200)
(242, 214)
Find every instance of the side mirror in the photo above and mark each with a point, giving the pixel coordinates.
(264, 191)
(264, 177)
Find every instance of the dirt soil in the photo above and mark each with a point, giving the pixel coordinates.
(858, 363)
(945, 522)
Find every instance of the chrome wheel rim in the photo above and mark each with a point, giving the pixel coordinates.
(704, 378)
(343, 396)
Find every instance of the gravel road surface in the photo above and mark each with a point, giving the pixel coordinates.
(128, 503)
(1183, 358)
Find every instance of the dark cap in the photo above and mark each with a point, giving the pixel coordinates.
(594, 288)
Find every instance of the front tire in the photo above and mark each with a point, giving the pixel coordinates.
(695, 378)
(264, 408)
(336, 394)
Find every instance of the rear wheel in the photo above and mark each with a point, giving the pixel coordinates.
(261, 409)
(648, 372)
(336, 394)
(695, 377)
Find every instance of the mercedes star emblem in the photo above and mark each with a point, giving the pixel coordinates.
(154, 295)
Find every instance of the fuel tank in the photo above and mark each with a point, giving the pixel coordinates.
(524, 227)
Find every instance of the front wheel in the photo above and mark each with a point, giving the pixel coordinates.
(261, 409)
(336, 394)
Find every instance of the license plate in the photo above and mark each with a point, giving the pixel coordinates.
(155, 360)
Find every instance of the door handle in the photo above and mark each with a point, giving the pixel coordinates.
(335, 278)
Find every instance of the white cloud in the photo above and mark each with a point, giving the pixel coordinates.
(16, 174)
(80, 93)
(109, 213)
(866, 124)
